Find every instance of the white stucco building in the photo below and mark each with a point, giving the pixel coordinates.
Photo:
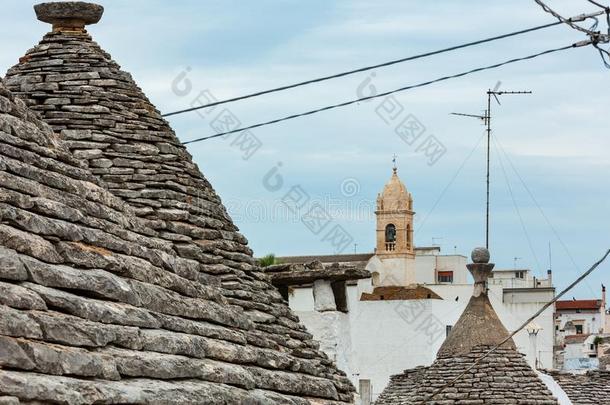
(399, 317)
(579, 326)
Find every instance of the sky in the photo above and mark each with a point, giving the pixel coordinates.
(549, 160)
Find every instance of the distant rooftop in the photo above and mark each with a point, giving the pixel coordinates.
(346, 258)
(357, 257)
(578, 304)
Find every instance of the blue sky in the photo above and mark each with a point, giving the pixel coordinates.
(554, 138)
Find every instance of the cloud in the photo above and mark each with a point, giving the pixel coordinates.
(556, 137)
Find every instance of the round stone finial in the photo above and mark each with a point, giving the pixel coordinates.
(69, 14)
(480, 255)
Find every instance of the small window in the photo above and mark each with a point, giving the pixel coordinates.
(448, 330)
(390, 233)
(340, 293)
(445, 277)
(519, 274)
(578, 329)
(375, 278)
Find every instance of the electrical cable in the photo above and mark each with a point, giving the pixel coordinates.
(595, 36)
(423, 84)
(581, 17)
(421, 224)
(562, 19)
(537, 204)
(516, 206)
(598, 4)
(523, 326)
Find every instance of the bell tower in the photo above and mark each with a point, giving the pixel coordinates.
(395, 220)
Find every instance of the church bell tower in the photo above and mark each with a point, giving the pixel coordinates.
(395, 220)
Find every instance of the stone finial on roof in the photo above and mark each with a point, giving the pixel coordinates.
(70, 15)
(480, 268)
(479, 324)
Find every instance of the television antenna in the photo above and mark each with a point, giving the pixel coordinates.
(486, 118)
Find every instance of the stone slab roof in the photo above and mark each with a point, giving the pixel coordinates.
(96, 307)
(345, 258)
(486, 376)
(502, 378)
(124, 280)
(591, 388)
(298, 274)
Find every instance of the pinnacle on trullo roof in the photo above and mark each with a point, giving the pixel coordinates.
(501, 377)
(122, 277)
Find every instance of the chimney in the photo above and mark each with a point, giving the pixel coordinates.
(69, 16)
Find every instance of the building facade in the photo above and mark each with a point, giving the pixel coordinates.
(400, 316)
(580, 326)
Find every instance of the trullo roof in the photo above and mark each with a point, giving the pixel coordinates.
(122, 278)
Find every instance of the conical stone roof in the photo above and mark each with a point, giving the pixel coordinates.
(503, 377)
(212, 328)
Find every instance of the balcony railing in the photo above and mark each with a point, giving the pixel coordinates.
(390, 246)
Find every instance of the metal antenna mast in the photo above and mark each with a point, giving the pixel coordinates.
(486, 118)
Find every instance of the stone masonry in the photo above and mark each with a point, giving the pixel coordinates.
(123, 279)
(502, 377)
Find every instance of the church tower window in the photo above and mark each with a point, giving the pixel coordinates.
(390, 237)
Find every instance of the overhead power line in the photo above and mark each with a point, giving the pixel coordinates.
(598, 4)
(581, 17)
(523, 326)
(414, 86)
(596, 36)
(567, 21)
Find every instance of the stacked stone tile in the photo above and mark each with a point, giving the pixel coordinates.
(591, 388)
(503, 377)
(144, 293)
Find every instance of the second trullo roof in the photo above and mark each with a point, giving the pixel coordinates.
(502, 377)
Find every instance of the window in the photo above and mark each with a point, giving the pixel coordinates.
(445, 277)
(519, 274)
(366, 395)
(375, 278)
(390, 237)
(447, 330)
(340, 293)
(390, 233)
(578, 329)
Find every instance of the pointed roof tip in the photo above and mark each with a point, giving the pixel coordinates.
(479, 324)
(69, 15)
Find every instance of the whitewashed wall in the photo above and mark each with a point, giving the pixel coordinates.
(377, 339)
